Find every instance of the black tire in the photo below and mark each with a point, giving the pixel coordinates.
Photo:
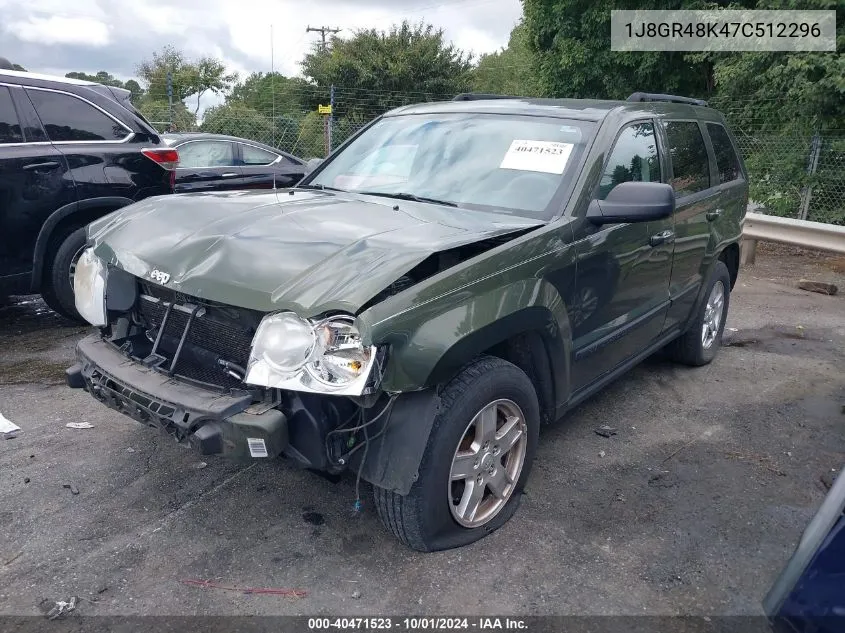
(422, 519)
(689, 349)
(56, 289)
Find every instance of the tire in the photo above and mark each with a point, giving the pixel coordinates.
(692, 348)
(423, 519)
(57, 290)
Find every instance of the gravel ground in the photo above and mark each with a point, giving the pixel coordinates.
(692, 508)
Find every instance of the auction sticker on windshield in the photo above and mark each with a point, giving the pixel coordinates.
(549, 157)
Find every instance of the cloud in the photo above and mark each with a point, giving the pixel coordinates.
(60, 30)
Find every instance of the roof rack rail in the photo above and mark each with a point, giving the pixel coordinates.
(648, 96)
(480, 96)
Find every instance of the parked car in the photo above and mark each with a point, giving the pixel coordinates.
(809, 594)
(213, 162)
(70, 152)
(414, 316)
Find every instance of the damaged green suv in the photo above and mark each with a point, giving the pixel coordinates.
(455, 275)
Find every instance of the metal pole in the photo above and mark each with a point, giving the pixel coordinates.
(170, 101)
(812, 165)
(331, 117)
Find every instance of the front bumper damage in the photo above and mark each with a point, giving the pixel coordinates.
(229, 424)
(212, 423)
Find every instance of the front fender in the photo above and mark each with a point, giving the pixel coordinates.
(432, 334)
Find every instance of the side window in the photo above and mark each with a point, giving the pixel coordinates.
(10, 128)
(633, 158)
(256, 156)
(197, 154)
(66, 118)
(690, 164)
(726, 158)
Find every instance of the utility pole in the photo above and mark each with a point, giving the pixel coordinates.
(322, 30)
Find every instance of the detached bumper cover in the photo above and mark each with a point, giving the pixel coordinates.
(211, 422)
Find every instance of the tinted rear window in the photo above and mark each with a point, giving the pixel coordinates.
(67, 118)
(10, 128)
(726, 159)
(690, 164)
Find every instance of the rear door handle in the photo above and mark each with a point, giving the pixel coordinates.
(50, 164)
(663, 237)
(229, 174)
(714, 215)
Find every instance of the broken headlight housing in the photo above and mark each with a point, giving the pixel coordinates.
(89, 288)
(321, 356)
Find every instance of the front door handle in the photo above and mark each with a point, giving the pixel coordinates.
(663, 237)
(229, 174)
(50, 164)
(714, 215)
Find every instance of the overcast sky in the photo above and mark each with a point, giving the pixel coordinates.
(59, 36)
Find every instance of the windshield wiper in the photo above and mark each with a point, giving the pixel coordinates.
(407, 196)
(318, 187)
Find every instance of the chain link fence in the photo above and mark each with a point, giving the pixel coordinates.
(794, 174)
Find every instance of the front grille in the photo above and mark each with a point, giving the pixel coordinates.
(216, 332)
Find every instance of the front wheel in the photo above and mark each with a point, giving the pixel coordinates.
(698, 345)
(57, 290)
(476, 461)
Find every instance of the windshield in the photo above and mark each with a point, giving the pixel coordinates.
(488, 161)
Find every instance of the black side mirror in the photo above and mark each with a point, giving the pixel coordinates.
(633, 202)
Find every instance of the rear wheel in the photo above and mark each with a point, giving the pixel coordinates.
(62, 256)
(699, 345)
(476, 461)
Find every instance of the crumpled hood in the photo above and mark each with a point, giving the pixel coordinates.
(306, 251)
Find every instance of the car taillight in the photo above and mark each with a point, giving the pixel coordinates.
(167, 158)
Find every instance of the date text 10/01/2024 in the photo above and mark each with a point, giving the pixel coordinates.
(416, 624)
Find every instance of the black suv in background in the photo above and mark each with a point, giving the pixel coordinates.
(70, 151)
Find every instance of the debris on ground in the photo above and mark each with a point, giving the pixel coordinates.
(13, 558)
(827, 479)
(273, 591)
(8, 429)
(605, 431)
(761, 460)
(62, 608)
(79, 425)
(200, 465)
(73, 489)
(602, 453)
(130, 450)
(821, 287)
(356, 595)
(26, 480)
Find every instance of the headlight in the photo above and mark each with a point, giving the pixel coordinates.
(89, 288)
(325, 356)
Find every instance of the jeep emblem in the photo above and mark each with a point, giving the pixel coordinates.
(160, 276)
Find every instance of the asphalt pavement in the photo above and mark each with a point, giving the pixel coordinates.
(691, 508)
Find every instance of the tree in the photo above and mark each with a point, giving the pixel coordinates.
(157, 111)
(377, 70)
(238, 120)
(210, 76)
(511, 71)
(102, 77)
(169, 60)
(135, 90)
(571, 41)
(268, 92)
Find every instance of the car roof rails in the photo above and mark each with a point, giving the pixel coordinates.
(480, 96)
(648, 96)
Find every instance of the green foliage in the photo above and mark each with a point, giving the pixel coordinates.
(511, 71)
(107, 79)
(158, 113)
(210, 75)
(571, 40)
(260, 91)
(238, 120)
(154, 72)
(405, 64)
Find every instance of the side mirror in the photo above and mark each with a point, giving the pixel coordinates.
(633, 202)
(312, 164)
